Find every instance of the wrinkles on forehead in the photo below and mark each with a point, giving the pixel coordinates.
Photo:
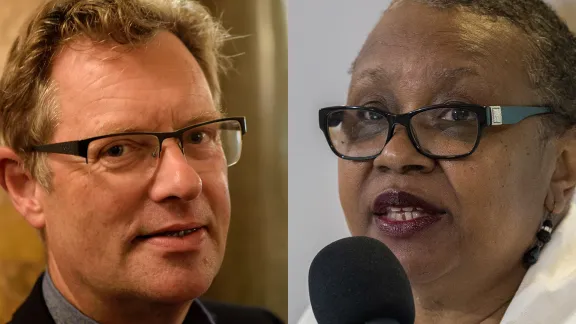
(413, 43)
(379, 74)
(466, 32)
(105, 89)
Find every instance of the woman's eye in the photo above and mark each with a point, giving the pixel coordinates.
(459, 115)
(369, 115)
(335, 118)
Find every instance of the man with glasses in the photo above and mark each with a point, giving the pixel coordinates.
(117, 152)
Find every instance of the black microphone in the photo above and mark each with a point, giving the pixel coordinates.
(358, 280)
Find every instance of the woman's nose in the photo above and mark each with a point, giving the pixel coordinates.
(400, 156)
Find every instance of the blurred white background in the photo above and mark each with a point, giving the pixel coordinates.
(324, 37)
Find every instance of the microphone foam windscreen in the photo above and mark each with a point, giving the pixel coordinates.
(358, 279)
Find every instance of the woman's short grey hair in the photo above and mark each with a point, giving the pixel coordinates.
(552, 67)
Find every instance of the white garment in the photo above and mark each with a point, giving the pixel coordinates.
(307, 317)
(547, 294)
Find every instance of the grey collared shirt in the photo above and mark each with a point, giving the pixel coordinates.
(64, 313)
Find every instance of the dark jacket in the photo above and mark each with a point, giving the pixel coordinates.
(35, 311)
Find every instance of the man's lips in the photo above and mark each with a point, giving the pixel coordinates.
(173, 230)
(175, 238)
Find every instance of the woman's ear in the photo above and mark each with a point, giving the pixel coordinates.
(563, 180)
(21, 188)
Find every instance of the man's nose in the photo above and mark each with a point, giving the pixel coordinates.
(400, 156)
(174, 177)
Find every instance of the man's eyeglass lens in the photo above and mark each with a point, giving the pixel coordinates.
(204, 147)
(359, 133)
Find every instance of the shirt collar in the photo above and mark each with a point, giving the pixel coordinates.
(63, 311)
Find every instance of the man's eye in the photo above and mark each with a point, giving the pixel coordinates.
(115, 151)
(196, 138)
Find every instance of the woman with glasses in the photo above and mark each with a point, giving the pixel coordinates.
(456, 149)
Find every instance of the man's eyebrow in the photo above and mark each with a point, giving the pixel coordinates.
(107, 129)
(203, 117)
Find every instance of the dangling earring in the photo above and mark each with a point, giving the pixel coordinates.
(542, 237)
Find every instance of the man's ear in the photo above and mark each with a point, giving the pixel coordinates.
(21, 188)
(563, 180)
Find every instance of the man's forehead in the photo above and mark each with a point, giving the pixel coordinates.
(164, 52)
(112, 88)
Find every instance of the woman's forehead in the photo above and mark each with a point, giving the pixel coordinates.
(420, 29)
(414, 41)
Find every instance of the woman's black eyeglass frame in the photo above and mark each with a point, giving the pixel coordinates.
(486, 116)
(80, 148)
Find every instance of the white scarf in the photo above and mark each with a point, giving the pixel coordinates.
(547, 294)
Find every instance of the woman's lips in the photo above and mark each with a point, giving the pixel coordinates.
(400, 215)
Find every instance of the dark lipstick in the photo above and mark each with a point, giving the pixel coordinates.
(400, 214)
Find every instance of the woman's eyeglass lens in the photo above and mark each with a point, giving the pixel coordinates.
(443, 132)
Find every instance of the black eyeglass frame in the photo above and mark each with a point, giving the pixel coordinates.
(80, 147)
(487, 116)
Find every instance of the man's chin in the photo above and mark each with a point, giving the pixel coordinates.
(181, 292)
(177, 278)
